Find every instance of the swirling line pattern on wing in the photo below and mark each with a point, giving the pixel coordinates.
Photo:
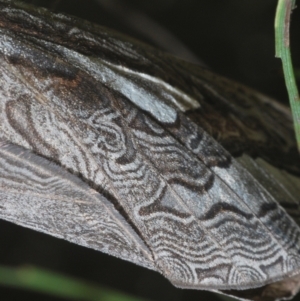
(205, 220)
(164, 185)
(266, 129)
(38, 194)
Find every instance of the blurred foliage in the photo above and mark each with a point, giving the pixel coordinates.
(58, 285)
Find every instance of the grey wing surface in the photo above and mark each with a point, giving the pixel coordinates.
(38, 194)
(207, 221)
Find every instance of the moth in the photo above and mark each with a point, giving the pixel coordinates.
(116, 146)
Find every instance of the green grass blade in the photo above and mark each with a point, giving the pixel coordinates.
(282, 40)
(57, 285)
(226, 298)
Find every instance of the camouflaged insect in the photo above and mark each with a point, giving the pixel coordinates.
(113, 145)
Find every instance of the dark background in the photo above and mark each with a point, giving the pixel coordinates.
(234, 38)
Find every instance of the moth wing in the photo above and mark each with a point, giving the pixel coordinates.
(210, 224)
(41, 195)
(204, 218)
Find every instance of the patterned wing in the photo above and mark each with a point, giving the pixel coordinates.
(40, 195)
(131, 130)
